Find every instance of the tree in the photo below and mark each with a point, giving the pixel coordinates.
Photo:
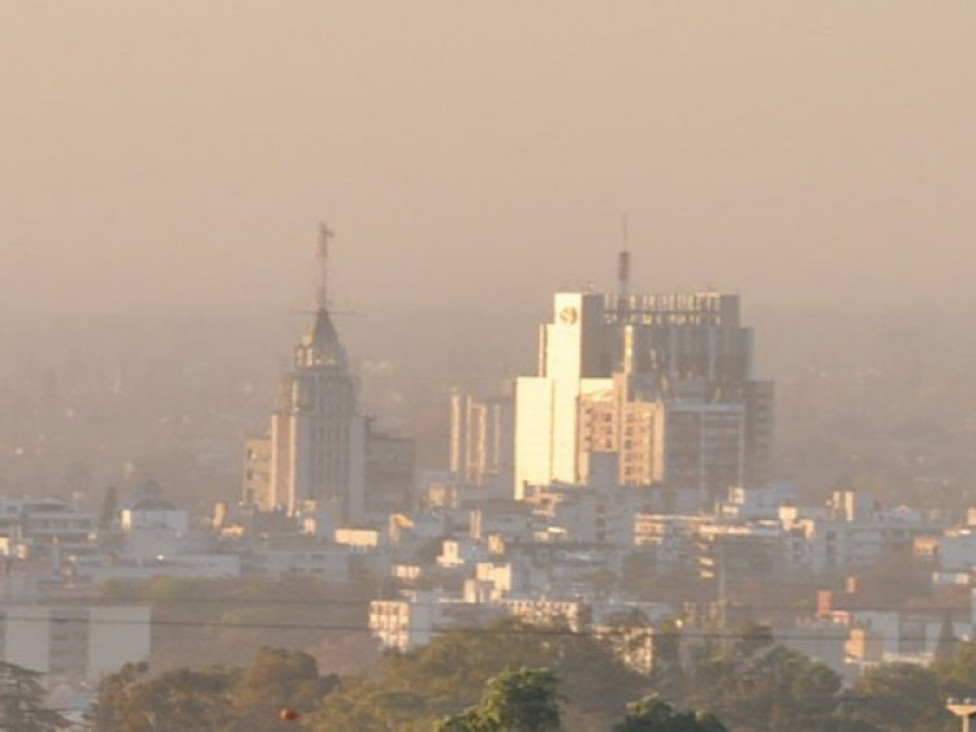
(180, 699)
(897, 697)
(21, 697)
(215, 698)
(111, 705)
(957, 675)
(450, 673)
(279, 679)
(523, 700)
(782, 689)
(368, 706)
(751, 640)
(946, 644)
(652, 714)
(759, 685)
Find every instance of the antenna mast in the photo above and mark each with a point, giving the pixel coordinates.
(322, 291)
(623, 273)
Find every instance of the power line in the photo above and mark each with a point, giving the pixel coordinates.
(520, 630)
(169, 600)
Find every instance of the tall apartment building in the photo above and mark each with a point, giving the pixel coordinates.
(482, 438)
(665, 382)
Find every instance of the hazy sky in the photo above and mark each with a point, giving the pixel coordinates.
(178, 154)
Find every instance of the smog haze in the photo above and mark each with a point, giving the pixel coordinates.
(512, 415)
(175, 157)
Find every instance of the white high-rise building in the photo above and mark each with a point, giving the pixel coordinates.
(572, 355)
(664, 382)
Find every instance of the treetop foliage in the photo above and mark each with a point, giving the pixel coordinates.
(514, 676)
(21, 701)
(522, 700)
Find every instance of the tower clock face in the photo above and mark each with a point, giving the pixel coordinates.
(568, 315)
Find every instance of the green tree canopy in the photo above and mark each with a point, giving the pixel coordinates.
(450, 673)
(760, 685)
(897, 697)
(958, 674)
(523, 700)
(652, 714)
(181, 699)
(215, 698)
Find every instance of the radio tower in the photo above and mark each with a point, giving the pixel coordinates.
(322, 291)
(623, 276)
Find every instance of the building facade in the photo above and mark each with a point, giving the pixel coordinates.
(482, 438)
(315, 451)
(321, 460)
(74, 642)
(665, 383)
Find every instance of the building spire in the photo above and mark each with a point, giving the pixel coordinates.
(623, 274)
(322, 291)
(321, 344)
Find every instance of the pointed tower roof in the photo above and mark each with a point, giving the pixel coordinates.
(320, 345)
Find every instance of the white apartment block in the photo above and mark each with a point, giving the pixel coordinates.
(74, 642)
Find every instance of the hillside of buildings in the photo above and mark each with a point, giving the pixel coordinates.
(138, 503)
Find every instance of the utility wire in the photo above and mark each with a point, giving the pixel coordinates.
(521, 630)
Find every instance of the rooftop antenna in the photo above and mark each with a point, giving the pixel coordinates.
(322, 301)
(322, 291)
(623, 272)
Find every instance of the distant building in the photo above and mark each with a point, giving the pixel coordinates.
(390, 473)
(152, 528)
(601, 512)
(482, 439)
(856, 532)
(139, 565)
(414, 619)
(68, 642)
(153, 513)
(319, 455)
(45, 527)
(318, 436)
(315, 450)
(664, 382)
(258, 488)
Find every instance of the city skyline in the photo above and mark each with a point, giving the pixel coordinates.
(731, 483)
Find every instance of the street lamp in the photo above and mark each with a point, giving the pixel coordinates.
(965, 709)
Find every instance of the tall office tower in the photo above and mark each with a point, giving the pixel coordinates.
(318, 437)
(663, 381)
(482, 438)
(574, 360)
(314, 457)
